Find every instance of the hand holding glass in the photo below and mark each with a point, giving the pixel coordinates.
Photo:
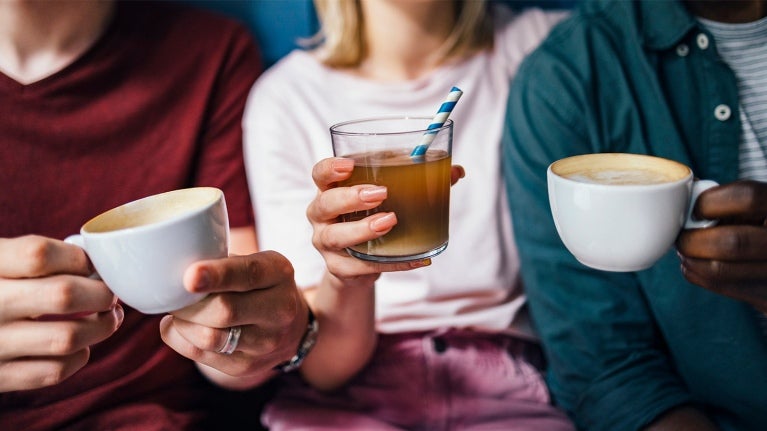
(418, 186)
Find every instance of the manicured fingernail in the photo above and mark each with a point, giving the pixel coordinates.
(420, 263)
(373, 193)
(343, 165)
(383, 223)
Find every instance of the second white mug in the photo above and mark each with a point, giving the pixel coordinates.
(622, 212)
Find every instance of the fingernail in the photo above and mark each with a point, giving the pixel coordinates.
(165, 323)
(166, 319)
(203, 280)
(373, 193)
(420, 263)
(341, 165)
(119, 315)
(383, 223)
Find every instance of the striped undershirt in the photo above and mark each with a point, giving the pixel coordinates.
(744, 48)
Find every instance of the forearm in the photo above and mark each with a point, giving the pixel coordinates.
(684, 418)
(347, 337)
(242, 240)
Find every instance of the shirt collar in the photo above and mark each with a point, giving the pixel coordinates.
(664, 23)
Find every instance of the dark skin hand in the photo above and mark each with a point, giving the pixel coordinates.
(730, 258)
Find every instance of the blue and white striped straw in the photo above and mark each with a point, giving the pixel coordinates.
(439, 120)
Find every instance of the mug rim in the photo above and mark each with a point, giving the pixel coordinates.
(551, 173)
(218, 193)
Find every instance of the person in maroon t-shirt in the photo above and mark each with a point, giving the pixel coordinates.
(102, 103)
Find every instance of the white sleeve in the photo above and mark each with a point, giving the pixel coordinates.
(279, 161)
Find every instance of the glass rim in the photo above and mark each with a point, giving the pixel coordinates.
(334, 129)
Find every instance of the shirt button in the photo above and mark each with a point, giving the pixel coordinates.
(702, 40)
(682, 50)
(722, 112)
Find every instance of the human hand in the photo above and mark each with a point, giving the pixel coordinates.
(255, 293)
(331, 237)
(50, 312)
(730, 258)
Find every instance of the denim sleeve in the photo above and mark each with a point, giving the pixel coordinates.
(607, 364)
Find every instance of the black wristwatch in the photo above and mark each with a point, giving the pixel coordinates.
(304, 347)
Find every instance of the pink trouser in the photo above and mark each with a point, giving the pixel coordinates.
(448, 380)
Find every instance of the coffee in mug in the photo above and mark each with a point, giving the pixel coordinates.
(622, 212)
(141, 249)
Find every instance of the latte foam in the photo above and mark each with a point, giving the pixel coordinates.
(622, 177)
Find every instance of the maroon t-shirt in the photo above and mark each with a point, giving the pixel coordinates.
(155, 105)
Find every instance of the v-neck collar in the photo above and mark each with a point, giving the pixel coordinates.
(11, 85)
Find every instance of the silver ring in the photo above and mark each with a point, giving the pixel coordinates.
(231, 340)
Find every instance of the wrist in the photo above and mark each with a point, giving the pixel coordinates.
(334, 282)
(308, 340)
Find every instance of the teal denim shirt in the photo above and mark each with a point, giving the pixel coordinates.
(638, 77)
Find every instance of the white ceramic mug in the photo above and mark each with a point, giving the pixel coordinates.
(622, 212)
(142, 248)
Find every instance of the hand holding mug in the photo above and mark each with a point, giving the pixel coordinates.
(254, 295)
(731, 258)
(51, 312)
(168, 252)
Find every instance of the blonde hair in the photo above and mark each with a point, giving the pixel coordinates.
(340, 41)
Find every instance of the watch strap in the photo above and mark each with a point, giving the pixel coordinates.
(304, 347)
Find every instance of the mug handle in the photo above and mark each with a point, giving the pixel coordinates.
(77, 240)
(698, 187)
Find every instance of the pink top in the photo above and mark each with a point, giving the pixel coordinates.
(475, 282)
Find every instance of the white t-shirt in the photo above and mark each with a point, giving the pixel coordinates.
(475, 282)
